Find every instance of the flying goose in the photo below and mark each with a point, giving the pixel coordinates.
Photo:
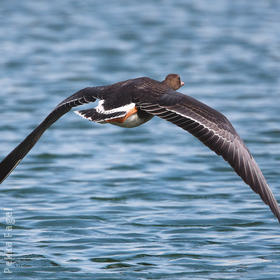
(133, 102)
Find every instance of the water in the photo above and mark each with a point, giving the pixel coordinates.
(101, 202)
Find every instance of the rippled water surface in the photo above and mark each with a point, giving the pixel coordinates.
(96, 201)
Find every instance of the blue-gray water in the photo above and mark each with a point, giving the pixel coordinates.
(101, 202)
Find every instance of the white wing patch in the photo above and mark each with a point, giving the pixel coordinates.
(101, 118)
(82, 115)
(100, 115)
(100, 108)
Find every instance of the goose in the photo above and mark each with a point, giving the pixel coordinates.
(133, 102)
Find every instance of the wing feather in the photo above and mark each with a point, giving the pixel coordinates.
(95, 116)
(9, 163)
(215, 131)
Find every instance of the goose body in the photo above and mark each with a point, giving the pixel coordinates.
(133, 102)
(129, 116)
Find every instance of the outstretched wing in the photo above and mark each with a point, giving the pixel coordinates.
(215, 131)
(83, 96)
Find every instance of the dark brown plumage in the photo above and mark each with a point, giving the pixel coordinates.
(173, 81)
(133, 102)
